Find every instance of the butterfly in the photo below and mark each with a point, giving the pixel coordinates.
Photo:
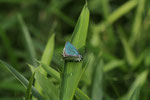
(71, 53)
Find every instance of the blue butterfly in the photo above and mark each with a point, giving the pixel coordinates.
(71, 53)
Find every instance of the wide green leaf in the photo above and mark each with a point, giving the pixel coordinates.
(73, 70)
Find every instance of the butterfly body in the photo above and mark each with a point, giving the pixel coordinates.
(71, 53)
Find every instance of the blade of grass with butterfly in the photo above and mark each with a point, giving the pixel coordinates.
(73, 70)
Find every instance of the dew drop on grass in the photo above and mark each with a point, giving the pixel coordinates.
(68, 75)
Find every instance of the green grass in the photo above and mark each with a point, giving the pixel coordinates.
(112, 36)
(29, 88)
(73, 70)
(45, 86)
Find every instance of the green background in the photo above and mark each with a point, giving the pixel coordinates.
(117, 51)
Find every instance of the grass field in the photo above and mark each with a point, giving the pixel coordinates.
(111, 35)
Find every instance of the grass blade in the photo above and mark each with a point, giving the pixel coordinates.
(47, 86)
(106, 12)
(137, 22)
(64, 17)
(51, 71)
(105, 8)
(7, 44)
(136, 86)
(46, 58)
(121, 11)
(29, 88)
(12, 86)
(21, 78)
(130, 56)
(117, 14)
(73, 70)
(82, 95)
(48, 52)
(113, 64)
(28, 40)
(56, 75)
(97, 93)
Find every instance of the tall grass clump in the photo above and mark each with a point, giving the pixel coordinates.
(44, 87)
(111, 35)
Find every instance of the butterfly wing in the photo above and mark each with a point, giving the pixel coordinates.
(70, 50)
(71, 53)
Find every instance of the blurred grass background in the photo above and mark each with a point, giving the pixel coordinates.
(117, 44)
